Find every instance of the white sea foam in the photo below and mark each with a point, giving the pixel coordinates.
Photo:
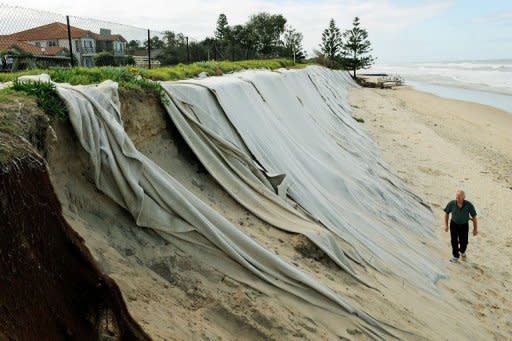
(489, 75)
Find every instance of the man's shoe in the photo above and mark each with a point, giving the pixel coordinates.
(454, 260)
(463, 256)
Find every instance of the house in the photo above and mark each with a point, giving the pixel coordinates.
(28, 55)
(56, 35)
(108, 42)
(7, 43)
(85, 44)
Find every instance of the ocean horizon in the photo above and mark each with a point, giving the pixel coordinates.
(486, 82)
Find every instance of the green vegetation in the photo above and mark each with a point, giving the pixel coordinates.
(6, 94)
(131, 77)
(104, 59)
(127, 77)
(108, 59)
(19, 117)
(331, 41)
(46, 96)
(348, 51)
(357, 48)
(184, 71)
(263, 36)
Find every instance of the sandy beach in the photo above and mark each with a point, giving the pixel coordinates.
(438, 145)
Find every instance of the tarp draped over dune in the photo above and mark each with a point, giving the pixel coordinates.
(284, 145)
(157, 201)
(278, 140)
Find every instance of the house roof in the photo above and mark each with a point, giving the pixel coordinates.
(51, 31)
(112, 37)
(7, 42)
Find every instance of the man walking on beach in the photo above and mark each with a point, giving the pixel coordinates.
(462, 211)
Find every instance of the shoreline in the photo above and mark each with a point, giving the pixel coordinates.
(500, 100)
(438, 145)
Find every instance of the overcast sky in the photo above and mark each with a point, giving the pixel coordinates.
(399, 30)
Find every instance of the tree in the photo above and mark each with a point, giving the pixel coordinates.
(175, 49)
(222, 27)
(221, 34)
(293, 44)
(133, 45)
(267, 29)
(332, 43)
(156, 43)
(245, 39)
(357, 48)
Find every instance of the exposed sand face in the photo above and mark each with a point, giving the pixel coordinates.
(437, 146)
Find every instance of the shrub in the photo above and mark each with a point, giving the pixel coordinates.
(124, 60)
(104, 59)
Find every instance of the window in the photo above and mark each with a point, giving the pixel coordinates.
(38, 43)
(52, 43)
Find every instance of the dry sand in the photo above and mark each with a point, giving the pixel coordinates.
(437, 146)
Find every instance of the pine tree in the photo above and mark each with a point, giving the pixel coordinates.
(357, 48)
(222, 27)
(332, 42)
(221, 35)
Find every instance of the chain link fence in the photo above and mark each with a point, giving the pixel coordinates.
(37, 39)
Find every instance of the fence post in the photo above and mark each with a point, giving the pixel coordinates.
(188, 53)
(70, 42)
(149, 49)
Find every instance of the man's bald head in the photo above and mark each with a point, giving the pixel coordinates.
(460, 195)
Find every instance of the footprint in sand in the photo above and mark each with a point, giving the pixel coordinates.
(478, 273)
(480, 310)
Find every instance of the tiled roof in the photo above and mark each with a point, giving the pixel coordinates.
(51, 31)
(6, 42)
(112, 37)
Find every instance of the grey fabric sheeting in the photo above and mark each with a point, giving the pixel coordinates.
(157, 201)
(297, 123)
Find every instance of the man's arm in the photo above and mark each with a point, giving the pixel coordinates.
(475, 225)
(446, 215)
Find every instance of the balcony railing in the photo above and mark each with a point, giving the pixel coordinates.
(86, 50)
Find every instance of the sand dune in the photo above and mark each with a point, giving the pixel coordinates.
(179, 289)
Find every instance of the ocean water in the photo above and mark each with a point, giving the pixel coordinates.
(485, 81)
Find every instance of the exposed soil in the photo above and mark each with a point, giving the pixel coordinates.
(51, 288)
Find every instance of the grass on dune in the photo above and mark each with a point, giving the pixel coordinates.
(127, 77)
(132, 77)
